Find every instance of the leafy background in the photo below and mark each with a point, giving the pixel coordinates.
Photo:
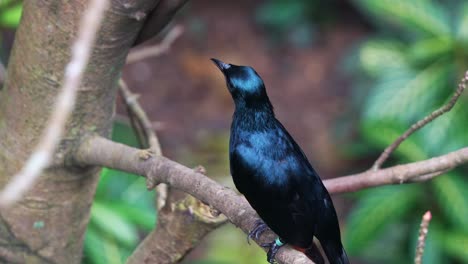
(407, 65)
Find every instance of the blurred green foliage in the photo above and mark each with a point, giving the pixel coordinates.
(411, 67)
(295, 22)
(122, 211)
(10, 13)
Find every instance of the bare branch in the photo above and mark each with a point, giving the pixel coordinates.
(131, 100)
(423, 229)
(421, 123)
(407, 173)
(143, 122)
(158, 19)
(41, 156)
(184, 222)
(102, 152)
(156, 50)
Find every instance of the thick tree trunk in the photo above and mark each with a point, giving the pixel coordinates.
(48, 224)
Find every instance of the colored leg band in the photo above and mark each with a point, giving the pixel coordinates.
(278, 242)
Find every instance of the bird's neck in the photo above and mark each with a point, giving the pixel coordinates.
(253, 117)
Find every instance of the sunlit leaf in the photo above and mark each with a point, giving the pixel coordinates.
(462, 25)
(456, 244)
(380, 57)
(141, 217)
(450, 190)
(382, 133)
(113, 224)
(405, 95)
(448, 132)
(430, 49)
(374, 212)
(11, 16)
(94, 247)
(424, 16)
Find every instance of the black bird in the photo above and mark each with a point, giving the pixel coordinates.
(273, 173)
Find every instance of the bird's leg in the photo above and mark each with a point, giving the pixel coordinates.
(259, 228)
(273, 249)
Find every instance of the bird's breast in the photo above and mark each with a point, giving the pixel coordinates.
(261, 157)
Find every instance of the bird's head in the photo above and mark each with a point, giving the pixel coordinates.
(244, 84)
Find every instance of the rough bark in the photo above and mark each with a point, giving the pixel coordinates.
(181, 226)
(48, 224)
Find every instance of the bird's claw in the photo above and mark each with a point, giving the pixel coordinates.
(259, 228)
(273, 249)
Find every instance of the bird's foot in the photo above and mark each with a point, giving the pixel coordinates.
(259, 228)
(273, 249)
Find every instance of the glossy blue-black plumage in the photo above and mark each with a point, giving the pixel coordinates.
(273, 173)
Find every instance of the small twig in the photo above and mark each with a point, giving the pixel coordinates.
(131, 100)
(132, 104)
(141, 120)
(156, 50)
(421, 123)
(41, 156)
(423, 229)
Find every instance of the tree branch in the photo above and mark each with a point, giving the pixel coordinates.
(183, 220)
(407, 173)
(156, 50)
(421, 123)
(102, 152)
(52, 135)
(158, 19)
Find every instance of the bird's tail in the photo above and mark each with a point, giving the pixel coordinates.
(335, 252)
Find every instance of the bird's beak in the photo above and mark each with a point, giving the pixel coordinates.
(221, 65)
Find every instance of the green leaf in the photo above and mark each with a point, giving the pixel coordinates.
(93, 247)
(113, 224)
(448, 132)
(281, 15)
(382, 133)
(456, 244)
(405, 95)
(427, 50)
(123, 133)
(462, 25)
(421, 15)
(141, 217)
(11, 16)
(378, 57)
(450, 191)
(374, 212)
